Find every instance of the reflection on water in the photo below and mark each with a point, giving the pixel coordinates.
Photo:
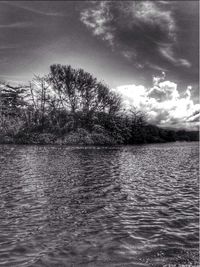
(121, 206)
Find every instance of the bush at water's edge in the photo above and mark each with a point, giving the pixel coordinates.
(84, 137)
(80, 137)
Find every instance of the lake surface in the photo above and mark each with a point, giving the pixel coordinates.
(99, 206)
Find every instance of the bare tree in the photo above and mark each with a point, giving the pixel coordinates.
(39, 96)
(79, 91)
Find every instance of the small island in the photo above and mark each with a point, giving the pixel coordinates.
(70, 107)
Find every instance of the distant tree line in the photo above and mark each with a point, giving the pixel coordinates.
(69, 106)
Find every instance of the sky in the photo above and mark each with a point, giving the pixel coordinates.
(148, 51)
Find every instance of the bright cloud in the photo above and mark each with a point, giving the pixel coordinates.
(162, 103)
(97, 19)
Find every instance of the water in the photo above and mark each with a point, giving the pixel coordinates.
(121, 206)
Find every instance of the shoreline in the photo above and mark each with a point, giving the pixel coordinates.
(82, 137)
(94, 144)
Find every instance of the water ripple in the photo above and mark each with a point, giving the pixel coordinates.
(99, 206)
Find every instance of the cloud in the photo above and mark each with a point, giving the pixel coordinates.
(141, 31)
(168, 53)
(194, 118)
(33, 10)
(16, 25)
(97, 19)
(162, 103)
(152, 14)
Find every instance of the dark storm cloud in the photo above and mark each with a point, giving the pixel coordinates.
(145, 32)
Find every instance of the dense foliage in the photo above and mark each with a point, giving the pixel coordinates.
(69, 106)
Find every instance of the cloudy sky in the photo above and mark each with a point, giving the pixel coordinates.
(146, 50)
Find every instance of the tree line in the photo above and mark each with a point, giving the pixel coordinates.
(69, 106)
